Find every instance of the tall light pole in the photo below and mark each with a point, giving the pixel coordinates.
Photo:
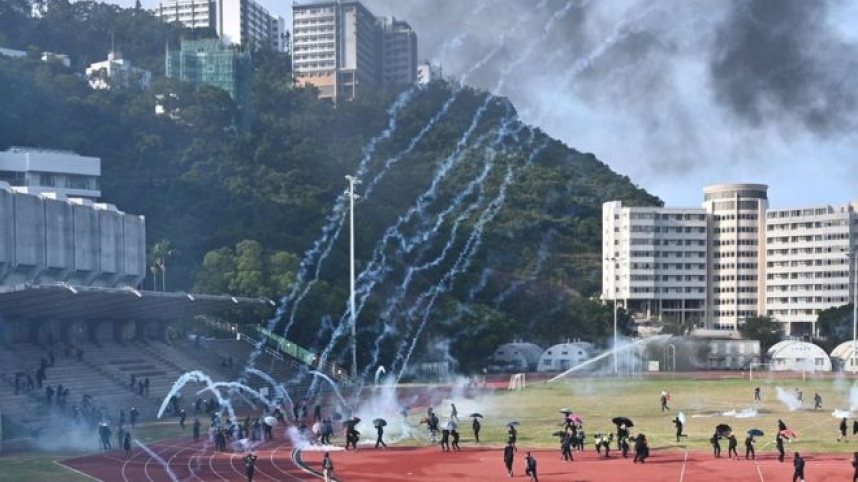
(351, 194)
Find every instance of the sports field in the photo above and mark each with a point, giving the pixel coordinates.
(705, 402)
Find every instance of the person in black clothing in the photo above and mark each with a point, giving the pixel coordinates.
(476, 427)
(508, 458)
(182, 416)
(126, 444)
(854, 466)
(817, 401)
(779, 444)
(664, 399)
(749, 448)
(678, 424)
(624, 447)
(781, 425)
(250, 465)
(317, 413)
(49, 394)
(133, 414)
(445, 439)
(641, 448)
(455, 445)
(855, 427)
(530, 467)
(146, 386)
(732, 444)
(512, 436)
(798, 465)
(380, 431)
(757, 394)
(843, 426)
(716, 444)
(566, 448)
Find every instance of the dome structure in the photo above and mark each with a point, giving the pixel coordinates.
(841, 355)
(797, 355)
(520, 355)
(564, 356)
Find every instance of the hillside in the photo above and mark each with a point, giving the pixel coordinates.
(471, 228)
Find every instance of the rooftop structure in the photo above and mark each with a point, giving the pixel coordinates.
(36, 171)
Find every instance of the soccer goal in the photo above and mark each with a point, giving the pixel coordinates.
(759, 370)
(517, 381)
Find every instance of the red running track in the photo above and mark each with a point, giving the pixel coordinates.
(194, 462)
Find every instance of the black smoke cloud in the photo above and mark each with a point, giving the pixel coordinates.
(743, 90)
(780, 58)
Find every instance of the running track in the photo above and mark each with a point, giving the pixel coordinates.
(196, 462)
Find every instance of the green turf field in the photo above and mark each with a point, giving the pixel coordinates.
(596, 401)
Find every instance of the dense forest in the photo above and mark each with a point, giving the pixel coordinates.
(471, 229)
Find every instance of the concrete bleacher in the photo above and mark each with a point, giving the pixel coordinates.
(30, 410)
(104, 372)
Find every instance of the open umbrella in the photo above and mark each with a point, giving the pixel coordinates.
(723, 429)
(755, 432)
(575, 419)
(379, 422)
(476, 415)
(681, 417)
(270, 421)
(788, 433)
(567, 411)
(623, 421)
(512, 423)
(336, 416)
(355, 420)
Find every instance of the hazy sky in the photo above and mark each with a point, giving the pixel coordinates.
(675, 94)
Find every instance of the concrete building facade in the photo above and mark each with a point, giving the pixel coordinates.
(36, 171)
(239, 22)
(49, 238)
(342, 48)
(747, 260)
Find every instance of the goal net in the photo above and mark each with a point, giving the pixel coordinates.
(517, 381)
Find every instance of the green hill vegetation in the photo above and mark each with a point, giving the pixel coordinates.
(493, 228)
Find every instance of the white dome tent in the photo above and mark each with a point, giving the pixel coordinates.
(841, 355)
(796, 355)
(564, 356)
(523, 356)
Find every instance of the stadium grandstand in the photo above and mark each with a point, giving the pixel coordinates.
(81, 342)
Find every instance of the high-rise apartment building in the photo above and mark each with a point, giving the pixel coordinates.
(400, 53)
(241, 22)
(732, 259)
(341, 48)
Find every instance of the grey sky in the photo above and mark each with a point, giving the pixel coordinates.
(675, 94)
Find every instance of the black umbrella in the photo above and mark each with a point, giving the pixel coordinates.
(476, 415)
(379, 422)
(623, 421)
(723, 429)
(336, 416)
(755, 432)
(512, 423)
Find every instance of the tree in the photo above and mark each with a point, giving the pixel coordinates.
(762, 328)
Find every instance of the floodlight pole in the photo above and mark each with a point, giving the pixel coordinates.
(351, 194)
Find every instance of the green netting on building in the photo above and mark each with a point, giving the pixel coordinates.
(210, 62)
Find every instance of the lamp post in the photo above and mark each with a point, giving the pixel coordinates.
(351, 194)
